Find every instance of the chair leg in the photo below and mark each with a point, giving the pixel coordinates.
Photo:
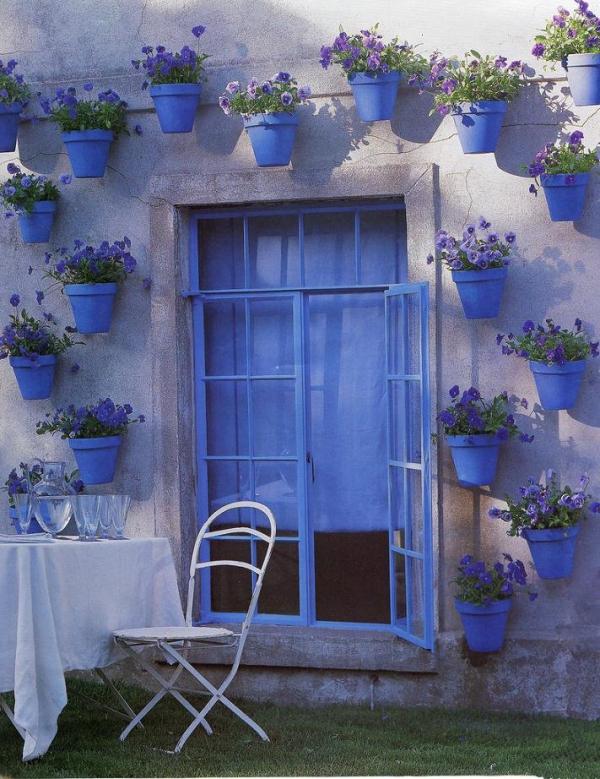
(128, 712)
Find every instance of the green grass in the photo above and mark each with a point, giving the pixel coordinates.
(337, 740)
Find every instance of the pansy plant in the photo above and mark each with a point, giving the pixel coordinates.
(473, 250)
(482, 585)
(72, 113)
(546, 506)
(96, 420)
(469, 414)
(86, 264)
(22, 190)
(167, 67)
(567, 158)
(366, 52)
(27, 336)
(474, 78)
(13, 88)
(549, 344)
(576, 32)
(280, 93)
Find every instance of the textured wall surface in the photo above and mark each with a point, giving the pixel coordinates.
(555, 275)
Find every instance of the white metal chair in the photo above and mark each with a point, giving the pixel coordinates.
(173, 641)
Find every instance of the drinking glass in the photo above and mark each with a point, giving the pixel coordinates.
(24, 506)
(105, 514)
(86, 516)
(119, 506)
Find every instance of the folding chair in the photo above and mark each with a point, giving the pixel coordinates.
(173, 641)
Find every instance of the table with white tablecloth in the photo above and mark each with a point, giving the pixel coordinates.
(60, 603)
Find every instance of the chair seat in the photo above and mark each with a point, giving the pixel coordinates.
(172, 634)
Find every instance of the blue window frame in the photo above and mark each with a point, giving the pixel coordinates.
(311, 352)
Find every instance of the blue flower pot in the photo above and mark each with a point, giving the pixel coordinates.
(375, 94)
(480, 291)
(552, 550)
(9, 125)
(583, 75)
(88, 151)
(35, 378)
(96, 458)
(37, 226)
(565, 200)
(92, 305)
(475, 458)
(176, 106)
(558, 385)
(272, 137)
(479, 124)
(33, 525)
(484, 626)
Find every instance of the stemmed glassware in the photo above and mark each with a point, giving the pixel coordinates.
(119, 507)
(105, 515)
(24, 506)
(86, 516)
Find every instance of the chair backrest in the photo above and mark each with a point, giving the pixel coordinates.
(207, 534)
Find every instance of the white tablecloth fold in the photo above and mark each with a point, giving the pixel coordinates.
(60, 604)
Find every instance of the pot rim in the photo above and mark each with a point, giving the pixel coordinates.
(495, 607)
(474, 440)
(98, 288)
(550, 534)
(559, 179)
(101, 442)
(366, 77)
(481, 106)
(72, 136)
(574, 366)
(24, 362)
(270, 118)
(175, 89)
(478, 275)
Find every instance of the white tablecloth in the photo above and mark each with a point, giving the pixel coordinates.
(59, 605)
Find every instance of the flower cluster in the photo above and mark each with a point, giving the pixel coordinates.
(91, 265)
(569, 33)
(469, 414)
(22, 190)
(366, 52)
(97, 420)
(280, 93)
(105, 112)
(482, 586)
(167, 67)
(27, 336)
(544, 506)
(567, 158)
(549, 344)
(471, 251)
(471, 79)
(18, 483)
(13, 88)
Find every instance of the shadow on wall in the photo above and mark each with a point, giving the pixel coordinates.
(412, 121)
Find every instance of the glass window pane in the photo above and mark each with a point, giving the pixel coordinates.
(272, 337)
(383, 246)
(405, 420)
(400, 588)
(274, 417)
(226, 418)
(276, 486)
(329, 257)
(228, 482)
(221, 253)
(273, 250)
(225, 338)
(280, 592)
(404, 334)
(231, 587)
(414, 596)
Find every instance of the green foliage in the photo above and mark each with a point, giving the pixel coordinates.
(13, 91)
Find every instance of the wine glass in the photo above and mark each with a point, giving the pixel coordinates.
(86, 516)
(52, 512)
(24, 506)
(119, 506)
(105, 514)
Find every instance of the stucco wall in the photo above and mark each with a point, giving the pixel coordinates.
(75, 40)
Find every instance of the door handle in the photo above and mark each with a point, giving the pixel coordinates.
(311, 462)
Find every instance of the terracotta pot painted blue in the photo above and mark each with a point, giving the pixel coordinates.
(272, 137)
(375, 94)
(478, 125)
(565, 195)
(92, 305)
(96, 458)
(583, 75)
(552, 550)
(176, 106)
(475, 458)
(480, 291)
(558, 385)
(35, 378)
(484, 626)
(9, 125)
(33, 525)
(37, 226)
(88, 151)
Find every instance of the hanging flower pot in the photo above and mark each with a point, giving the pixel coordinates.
(478, 125)
(92, 306)
(34, 377)
(9, 125)
(88, 151)
(272, 137)
(176, 106)
(552, 550)
(36, 226)
(374, 94)
(480, 291)
(475, 458)
(565, 195)
(96, 458)
(583, 75)
(558, 385)
(14, 96)
(484, 626)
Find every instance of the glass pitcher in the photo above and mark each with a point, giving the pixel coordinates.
(51, 496)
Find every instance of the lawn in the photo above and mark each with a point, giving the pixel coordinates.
(337, 740)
